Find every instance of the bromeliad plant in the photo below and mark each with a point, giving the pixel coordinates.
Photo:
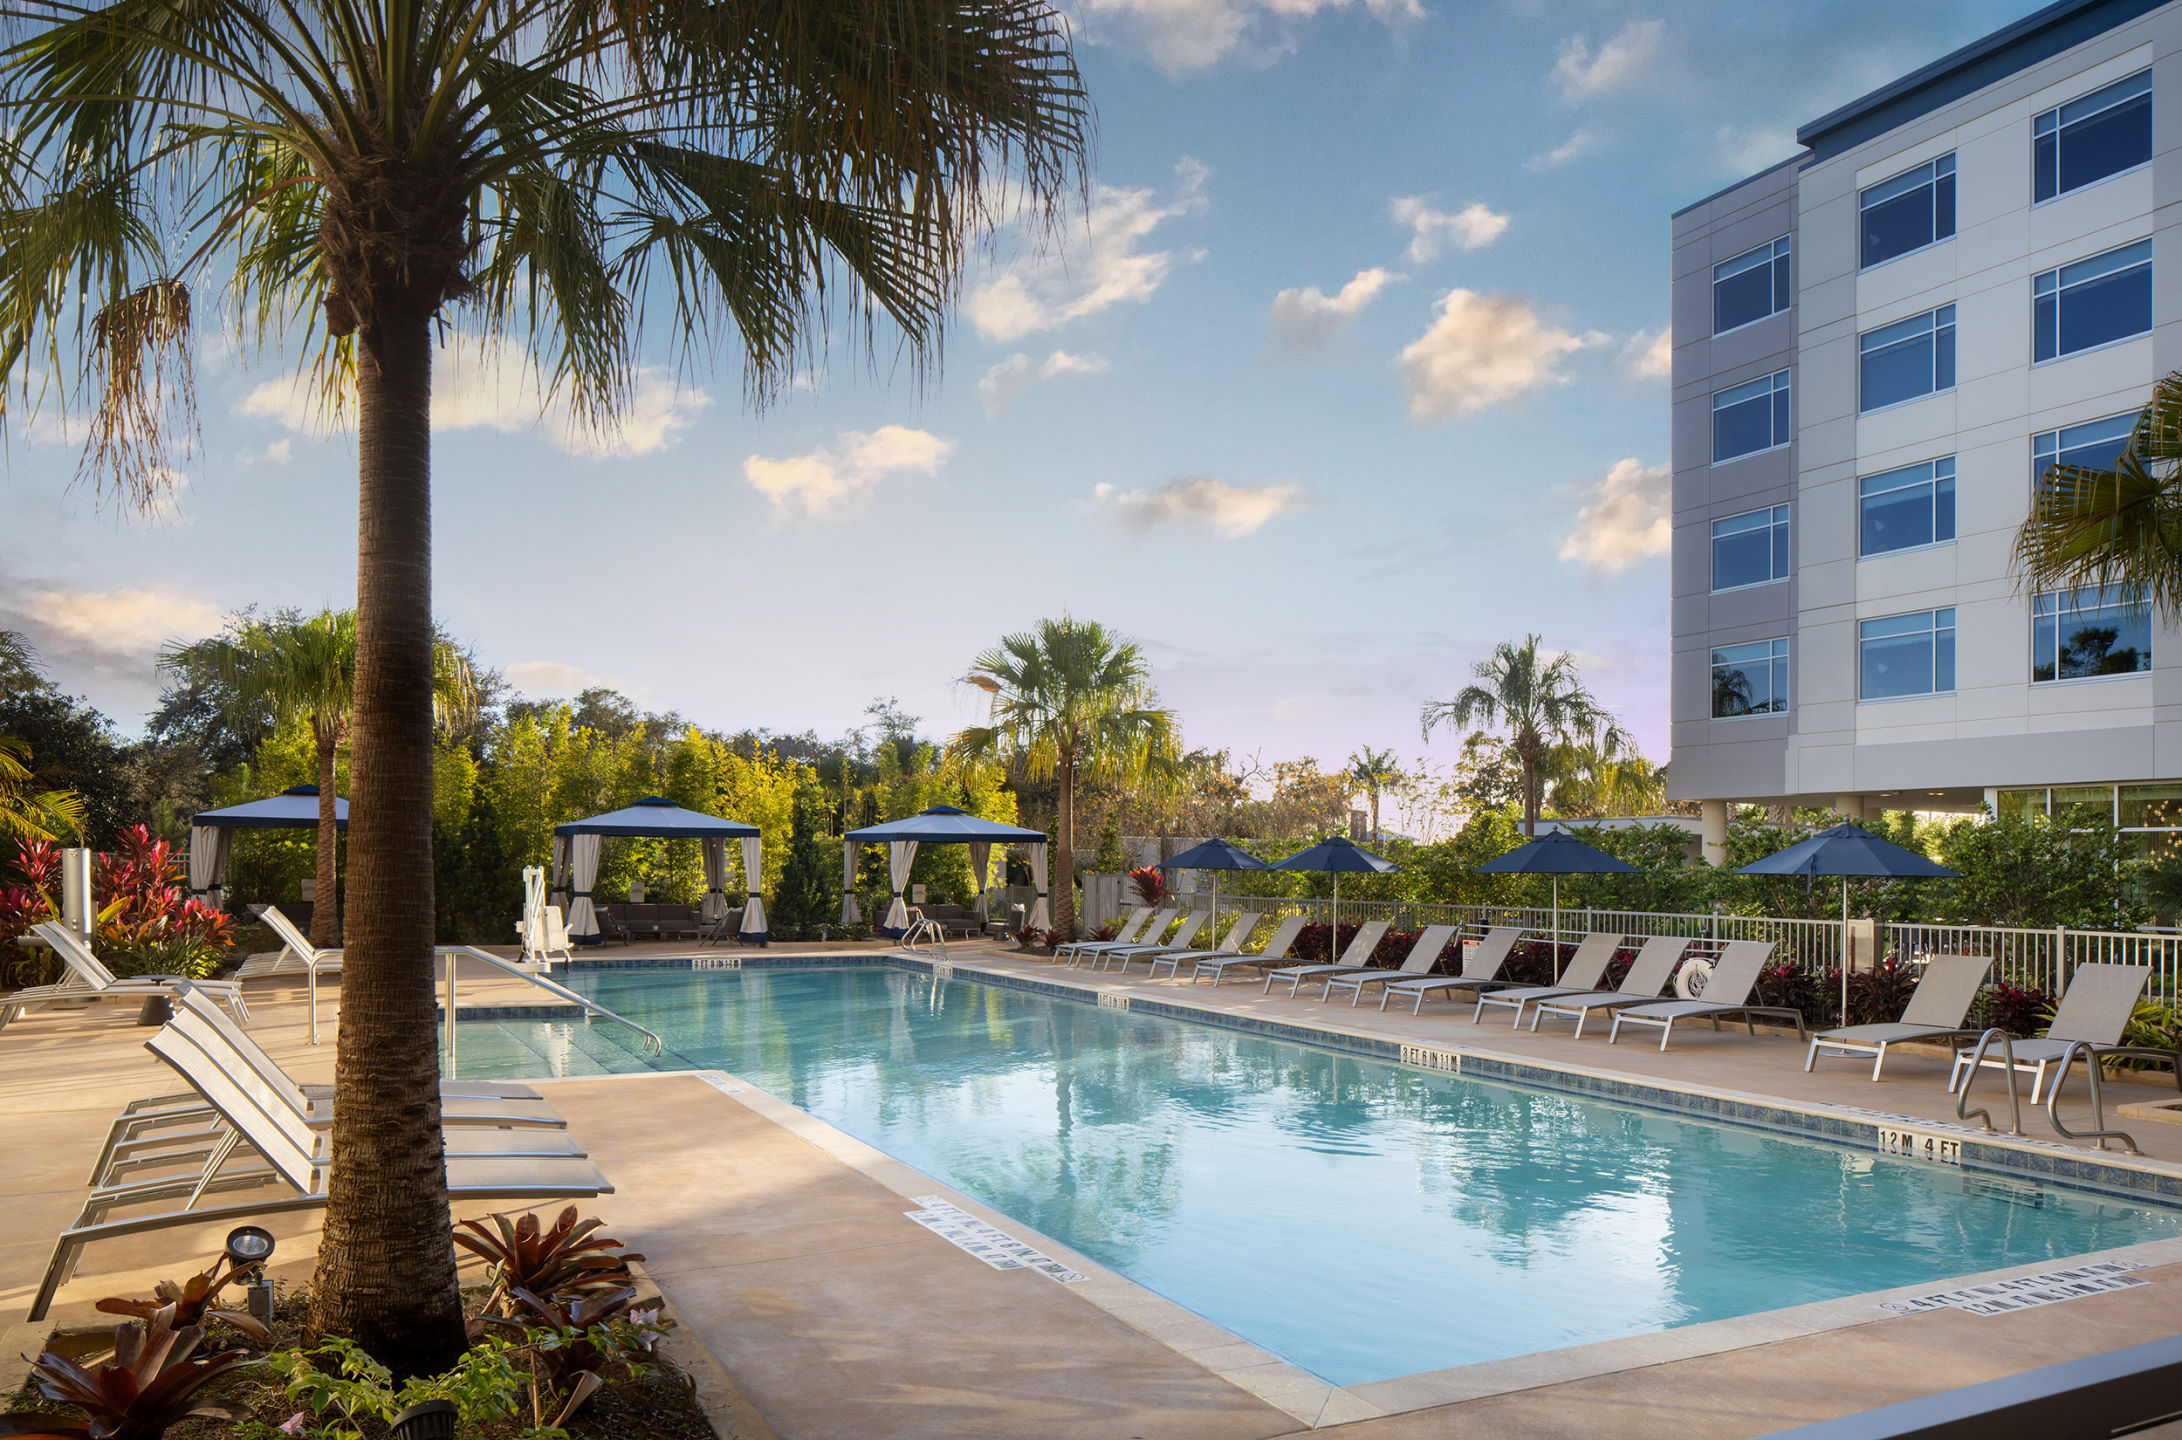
(151, 1382)
(571, 1344)
(194, 1301)
(569, 1260)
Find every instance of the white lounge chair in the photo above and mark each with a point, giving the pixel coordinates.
(1481, 967)
(1356, 957)
(1937, 1010)
(1585, 969)
(1277, 946)
(1179, 940)
(1154, 927)
(1126, 932)
(1727, 992)
(307, 958)
(2095, 1009)
(481, 1165)
(1229, 944)
(89, 979)
(1654, 967)
(1421, 958)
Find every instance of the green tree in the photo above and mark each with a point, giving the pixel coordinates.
(1587, 782)
(1540, 703)
(806, 894)
(1374, 771)
(2120, 527)
(1071, 699)
(28, 813)
(2029, 870)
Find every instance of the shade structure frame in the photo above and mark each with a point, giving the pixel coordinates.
(654, 817)
(212, 834)
(938, 825)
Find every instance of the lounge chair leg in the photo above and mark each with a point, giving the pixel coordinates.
(1810, 1057)
(1668, 1029)
(1880, 1063)
(1613, 1031)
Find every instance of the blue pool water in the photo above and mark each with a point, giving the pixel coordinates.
(1358, 1219)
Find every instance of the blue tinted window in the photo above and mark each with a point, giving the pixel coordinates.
(1750, 549)
(1904, 508)
(1907, 655)
(1749, 418)
(1909, 212)
(2084, 141)
(1907, 360)
(2093, 445)
(1750, 287)
(2076, 634)
(1750, 679)
(2092, 302)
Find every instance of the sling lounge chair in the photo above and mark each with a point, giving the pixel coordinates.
(1277, 946)
(1421, 958)
(1227, 945)
(1936, 1012)
(1480, 967)
(2095, 1009)
(1132, 930)
(309, 959)
(1726, 993)
(1586, 968)
(1179, 940)
(1356, 957)
(89, 979)
(1654, 967)
(1081, 950)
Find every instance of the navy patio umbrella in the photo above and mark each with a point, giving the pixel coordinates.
(1213, 856)
(1849, 852)
(1556, 853)
(1338, 855)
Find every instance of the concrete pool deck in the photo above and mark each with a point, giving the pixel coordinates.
(783, 1247)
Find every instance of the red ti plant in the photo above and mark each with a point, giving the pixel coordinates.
(150, 1384)
(1150, 882)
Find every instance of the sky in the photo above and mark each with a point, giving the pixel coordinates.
(1353, 366)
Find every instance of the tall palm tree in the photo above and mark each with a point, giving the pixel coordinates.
(359, 170)
(1587, 781)
(304, 670)
(29, 814)
(1072, 700)
(2120, 527)
(1375, 771)
(1540, 703)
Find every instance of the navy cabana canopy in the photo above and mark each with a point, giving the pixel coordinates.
(576, 846)
(941, 825)
(212, 833)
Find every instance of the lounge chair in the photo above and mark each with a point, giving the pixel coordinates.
(89, 979)
(1654, 967)
(1421, 958)
(2095, 1009)
(1179, 940)
(1936, 1011)
(481, 1165)
(1585, 969)
(1154, 927)
(1356, 957)
(1727, 992)
(1126, 932)
(1227, 945)
(310, 960)
(1277, 946)
(1480, 967)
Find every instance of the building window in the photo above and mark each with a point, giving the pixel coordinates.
(1907, 655)
(1907, 360)
(1750, 679)
(2093, 445)
(2077, 634)
(2092, 302)
(1905, 508)
(1750, 418)
(1909, 212)
(1750, 287)
(1750, 549)
(2084, 141)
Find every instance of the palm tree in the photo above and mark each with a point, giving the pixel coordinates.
(1072, 700)
(1374, 770)
(1587, 781)
(359, 170)
(27, 814)
(2120, 527)
(1539, 703)
(304, 670)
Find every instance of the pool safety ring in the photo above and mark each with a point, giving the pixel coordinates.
(1691, 979)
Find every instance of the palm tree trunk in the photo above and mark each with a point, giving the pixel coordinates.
(325, 910)
(386, 1266)
(1064, 848)
(1530, 798)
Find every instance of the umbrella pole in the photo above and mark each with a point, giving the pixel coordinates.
(1333, 938)
(1556, 929)
(1844, 949)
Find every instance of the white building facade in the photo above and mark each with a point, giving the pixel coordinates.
(1879, 345)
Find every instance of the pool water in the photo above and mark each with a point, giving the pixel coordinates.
(1359, 1219)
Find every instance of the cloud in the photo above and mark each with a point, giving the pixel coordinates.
(1649, 355)
(1232, 510)
(1628, 61)
(1748, 149)
(1625, 519)
(167, 488)
(280, 452)
(1185, 35)
(1005, 382)
(112, 623)
(828, 479)
(1583, 142)
(1473, 227)
(549, 678)
(1483, 351)
(1306, 319)
(1109, 270)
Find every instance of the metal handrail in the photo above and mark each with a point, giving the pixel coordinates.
(653, 1044)
(1977, 1063)
(919, 927)
(2098, 1130)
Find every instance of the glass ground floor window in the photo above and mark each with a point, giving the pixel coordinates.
(2151, 813)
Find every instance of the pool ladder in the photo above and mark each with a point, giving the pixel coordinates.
(922, 929)
(2098, 1130)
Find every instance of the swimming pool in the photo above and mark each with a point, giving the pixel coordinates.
(1356, 1218)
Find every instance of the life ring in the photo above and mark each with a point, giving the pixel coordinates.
(1691, 979)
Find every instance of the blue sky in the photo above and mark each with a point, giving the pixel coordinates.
(1351, 371)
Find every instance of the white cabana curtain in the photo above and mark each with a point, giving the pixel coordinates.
(981, 854)
(753, 876)
(714, 850)
(850, 915)
(1041, 909)
(208, 847)
(583, 917)
(560, 872)
(900, 855)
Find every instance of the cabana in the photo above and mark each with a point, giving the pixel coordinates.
(212, 834)
(576, 848)
(941, 825)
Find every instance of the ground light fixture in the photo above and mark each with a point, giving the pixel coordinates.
(249, 1247)
(431, 1420)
